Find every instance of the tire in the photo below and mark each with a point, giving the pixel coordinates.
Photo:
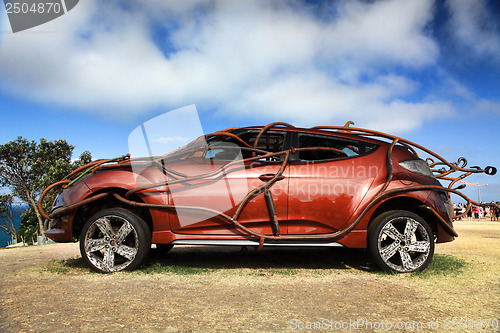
(115, 239)
(400, 241)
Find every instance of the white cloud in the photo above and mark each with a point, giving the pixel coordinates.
(314, 100)
(169, 139)
(387, 31)
(247, 59)
(474, 27)
(466, 101)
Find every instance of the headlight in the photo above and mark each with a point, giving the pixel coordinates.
(58, 201)
(419, 167)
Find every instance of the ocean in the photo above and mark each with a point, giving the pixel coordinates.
(18, 210)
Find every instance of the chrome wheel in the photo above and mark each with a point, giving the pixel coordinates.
(114, 240)
(401, 241)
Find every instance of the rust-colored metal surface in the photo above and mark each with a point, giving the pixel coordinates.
(441, 168)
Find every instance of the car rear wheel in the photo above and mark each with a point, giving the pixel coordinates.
(400, 241)
(115, 239)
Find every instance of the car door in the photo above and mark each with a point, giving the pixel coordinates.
(327, 185)
(226, 190)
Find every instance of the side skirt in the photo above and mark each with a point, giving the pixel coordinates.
(243, 242)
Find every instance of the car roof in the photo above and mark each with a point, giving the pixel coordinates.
(337, 133)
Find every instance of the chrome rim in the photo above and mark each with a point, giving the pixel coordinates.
(404, 244)
(111, 243)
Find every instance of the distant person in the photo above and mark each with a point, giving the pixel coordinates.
(469, 213)
(476, 212)
(456, 208)
(497, 210)
(461, 210)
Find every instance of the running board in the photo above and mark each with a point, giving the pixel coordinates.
(244, 242)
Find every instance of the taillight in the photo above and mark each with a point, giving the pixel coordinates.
(419, 167)
(446, 201)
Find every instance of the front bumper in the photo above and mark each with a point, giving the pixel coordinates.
(60, 229)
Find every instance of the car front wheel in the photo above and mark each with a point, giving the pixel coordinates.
(115, 239)
(400, 241)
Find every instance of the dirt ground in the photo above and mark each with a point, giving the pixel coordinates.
(44, 289)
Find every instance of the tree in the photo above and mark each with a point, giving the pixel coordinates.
(27, 167)
(6, 216)
(28, 228)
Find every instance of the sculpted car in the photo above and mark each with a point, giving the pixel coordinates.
(263, 186)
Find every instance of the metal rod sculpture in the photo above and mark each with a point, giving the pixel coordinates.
(441, 168)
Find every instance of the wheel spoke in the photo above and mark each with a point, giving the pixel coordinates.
(406, 260)
(104, 224)
(114, 241)
(124, 231)
(126, 251)
(421, 246)
(392, 232)
(93, 245)
(411, 226)
(109, 259)
(389, 251)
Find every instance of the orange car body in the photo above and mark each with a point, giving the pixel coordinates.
(315, 195)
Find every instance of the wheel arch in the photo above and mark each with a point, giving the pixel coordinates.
(82, 214)
(410, 204)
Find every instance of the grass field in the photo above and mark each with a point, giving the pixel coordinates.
(214, 289)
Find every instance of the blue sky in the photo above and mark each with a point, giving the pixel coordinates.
(426, 70)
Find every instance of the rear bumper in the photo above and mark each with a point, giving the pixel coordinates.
(443, 214)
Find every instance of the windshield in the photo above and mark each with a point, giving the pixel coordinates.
(171, 153)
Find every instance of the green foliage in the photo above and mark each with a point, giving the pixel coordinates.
(159, 268)
(28, 229)
(55, 266)
(6, 205)
(74, 266)
(53, 161)
(27, 167)
(16, 158)
(443, 264)
(6, 215)
(85, 158)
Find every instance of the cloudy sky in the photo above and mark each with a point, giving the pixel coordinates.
(426, 70)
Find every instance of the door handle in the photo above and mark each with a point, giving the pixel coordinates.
(268, 176)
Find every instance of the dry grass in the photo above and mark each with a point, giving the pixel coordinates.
(48, 288)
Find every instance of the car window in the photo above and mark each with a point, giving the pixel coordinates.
(269, 141)
(338, 147)
(223, 154)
